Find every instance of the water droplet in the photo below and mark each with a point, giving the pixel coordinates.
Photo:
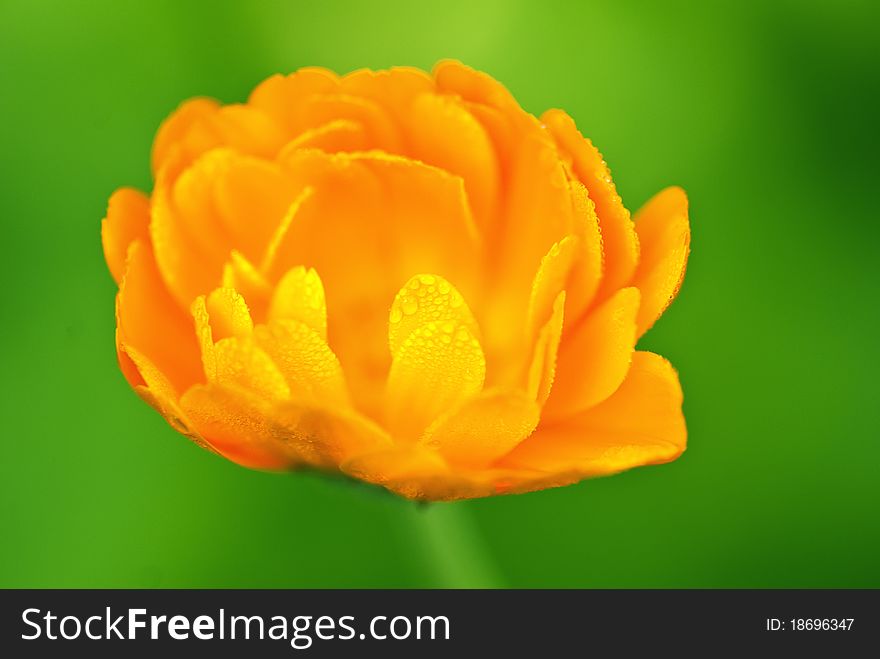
(410, 305)
(396, 313)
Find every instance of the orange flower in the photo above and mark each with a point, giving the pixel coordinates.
(401, 277)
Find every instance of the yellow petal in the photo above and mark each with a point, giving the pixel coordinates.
(187, 268)
(241, 127)
(394, 90)
(300, 296)
(373, 221)
(171, 134)
(241, 363)
(408, 470)
(442, 132)
(128, 216)
(242, 275)
(325, 437)
(539, 209)
(159, 392)
(279, 234)
(336, 135)
(542, 369)
(151, 323)
(311, 98)
(595, 356)
(483, 428)
(426, 298)
(641, 423)
(237, 425)
(586, 272)
(438, 366)
(549, 282)
(202, 128)
(618, 234)
(665, 237)
(205, 337)
(229, 314)
(303, 357)
(380, 132)
(266, 434)
(282, 97)
(251, 196)
(538, 213)
(418, 473)
(453, 76)
(193, 200)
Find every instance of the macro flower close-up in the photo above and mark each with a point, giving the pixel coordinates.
(401, 277)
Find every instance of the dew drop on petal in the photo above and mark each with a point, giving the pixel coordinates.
(409, 305)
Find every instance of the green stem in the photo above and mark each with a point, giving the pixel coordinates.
(452, 542)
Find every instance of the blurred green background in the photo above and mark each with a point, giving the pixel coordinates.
(766, 112)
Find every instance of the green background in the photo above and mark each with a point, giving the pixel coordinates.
(765, 112)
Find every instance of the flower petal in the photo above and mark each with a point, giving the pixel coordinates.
(270, 254)
(388, 218)
(538, 213)
(426, 298)
(169, 142)
(243, 276)
(241, 363)
(586, 272)
(276, 435)
(205, 337)
(393, 89)
(472, 85)
(438, 366)
(325, 437)
(251, 197)
(418, 473)
(303, 357)
(550, 281)
(336, 135)
(442, 132)
(202, 128)
(542, 370)
(483, 428)
(618, 234)
(300, 296)
(311, 98)
(229, 314)
(157, 391)
(128, 216)
(379, 130)
(401, 469)
(595, 356)
(151, 324)
(665, 237)
(237, 425)
(539, 209)
(192, 198)
(186, 267)
(641, 423)
(282, 97)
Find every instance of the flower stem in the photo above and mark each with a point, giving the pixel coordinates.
(452, 543)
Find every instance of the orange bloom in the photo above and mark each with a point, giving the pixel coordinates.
(402, 277)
